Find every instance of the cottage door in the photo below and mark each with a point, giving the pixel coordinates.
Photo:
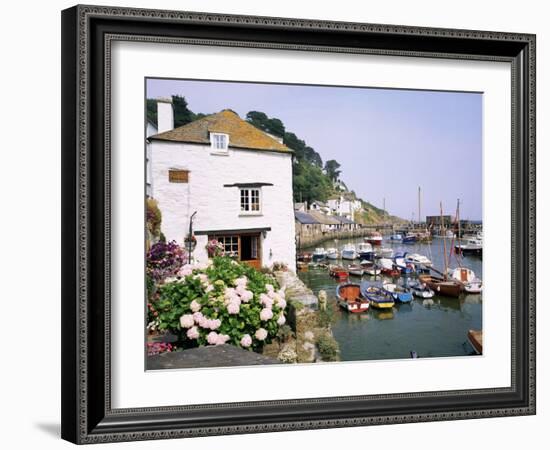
(250, 250)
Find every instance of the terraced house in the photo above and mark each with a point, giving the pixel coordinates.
(231, 179)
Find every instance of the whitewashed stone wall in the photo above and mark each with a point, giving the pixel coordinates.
(218, 207)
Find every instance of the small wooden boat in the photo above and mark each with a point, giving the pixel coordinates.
(475, 339)
(442, 286)
(332, 253)
(338, 271)
(369, 268)
(304, 257)
(399, 293)
(472, 284)
(387, 268)
(349, 252)
(377, 297)
(349, 297)
(355, 269)
(319, 254)
(302, 266)
(374, 238)
(420, 290)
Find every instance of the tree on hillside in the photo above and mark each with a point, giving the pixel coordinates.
(331, 169)
(182, 114)
(263, 122)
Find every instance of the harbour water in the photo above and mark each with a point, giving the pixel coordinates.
(431, 329)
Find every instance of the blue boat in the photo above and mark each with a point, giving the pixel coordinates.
(396, 237)
(365, 251)
(409, 239)
(378, 298)
(398, 293)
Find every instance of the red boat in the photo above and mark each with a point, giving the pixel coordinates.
(374, 238)
(350, 298)
(338, 272)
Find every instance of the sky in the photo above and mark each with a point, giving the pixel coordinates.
(388, 141)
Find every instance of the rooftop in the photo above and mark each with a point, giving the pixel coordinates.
(241, 133)
(323, 218)
(305, 218)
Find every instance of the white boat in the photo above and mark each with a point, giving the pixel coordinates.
(418, 259)
(349, 252)
(369, 268)
(469, 245)
(332, 253)
(365, 251)
(420, 290)
(384, 252)
(319, 254)
(396, 237)
(356, 269)
(472, 284)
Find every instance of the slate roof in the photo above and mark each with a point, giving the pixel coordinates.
(241, 133)
(343, 219)
(305, 218)
(323, 218)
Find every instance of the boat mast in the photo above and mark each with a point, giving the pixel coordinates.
(419, 216)
(443, 231)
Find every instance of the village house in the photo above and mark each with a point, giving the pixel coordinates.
(328, 223)
(232, 181)
(307, 227)
(344, 205)
(317, 205)
(346, 224)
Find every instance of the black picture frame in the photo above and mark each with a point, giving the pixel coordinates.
(87, 416)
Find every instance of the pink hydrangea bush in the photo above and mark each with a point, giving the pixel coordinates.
(221, 302)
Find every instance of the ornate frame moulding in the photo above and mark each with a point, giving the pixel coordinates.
(87, 35)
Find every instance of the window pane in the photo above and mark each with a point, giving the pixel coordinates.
(245, 206)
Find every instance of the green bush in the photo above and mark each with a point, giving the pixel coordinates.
(328, 348)
(223, 302)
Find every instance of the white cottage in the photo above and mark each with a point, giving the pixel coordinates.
(233, 179)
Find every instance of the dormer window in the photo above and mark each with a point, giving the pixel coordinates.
(219, 141)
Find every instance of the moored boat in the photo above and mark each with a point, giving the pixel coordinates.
(350, 298)
(398, 293)
(319, 254)
(409, 239)
(369, 268)
(374, 238)
(377, 297)
(420, 290)
(396, 237)
(470, 246)
(475, 339)
(304, 256)
(442, 286)
(400, 263)
(387, 268)
(348, 252)
(332, 253)
(384, 252)
(356, 269)
(417, 259)
(365, 251)
(338, 271)
(472, 284)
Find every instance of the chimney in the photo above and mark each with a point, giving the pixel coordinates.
(165, 114)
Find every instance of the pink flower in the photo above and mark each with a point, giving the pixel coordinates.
(261, 334)
(266, 301)
(233, 308)
(246, 296)
(193, 333)
(246, 341)
(195, 306)
(202, 277)
(212, 338)
(229, 292)
(266, 314)
(222, 339)
(269, 288)
(234, 299)
(209, 288)
(281, 320)
(281, 303)
(213, 324)
(185, 270)
(241, 281)
(197, 316)
(187, 321)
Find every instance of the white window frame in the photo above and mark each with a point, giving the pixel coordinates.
(214, 144)
(249, 211)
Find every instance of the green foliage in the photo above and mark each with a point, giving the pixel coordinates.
(269, 125)
(331, 169)
(207, 292)
(285, 333)
(324, 319)
(328, 348)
